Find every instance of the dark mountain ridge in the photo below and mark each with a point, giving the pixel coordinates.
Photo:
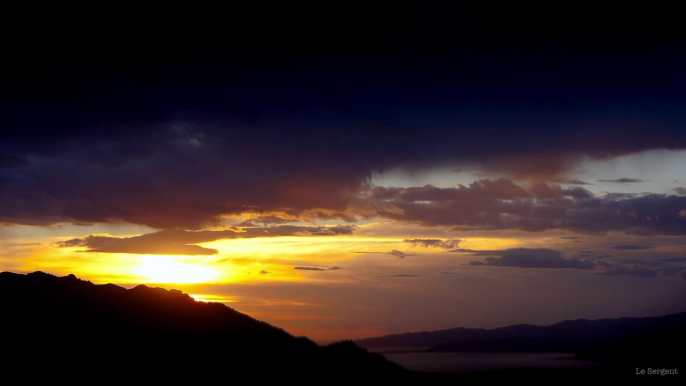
(52, 325)
(639, 341)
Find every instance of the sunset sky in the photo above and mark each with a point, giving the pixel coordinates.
(361, 173)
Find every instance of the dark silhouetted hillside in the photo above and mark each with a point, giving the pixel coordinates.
(57, 327)
(640, 341)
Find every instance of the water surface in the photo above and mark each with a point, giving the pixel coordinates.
(463, 362)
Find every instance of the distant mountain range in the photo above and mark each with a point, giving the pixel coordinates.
(70, 329)
(78, 332)
(646, 341)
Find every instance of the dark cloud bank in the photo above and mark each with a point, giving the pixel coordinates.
(180, 136)
(483, 205)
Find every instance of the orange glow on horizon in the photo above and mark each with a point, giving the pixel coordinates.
(168, 269)
(247, 260)
(214, 298)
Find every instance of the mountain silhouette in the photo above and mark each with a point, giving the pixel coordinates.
(637, 342)
(57, 327)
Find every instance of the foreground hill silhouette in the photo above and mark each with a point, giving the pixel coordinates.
(56, 326)
(637, 342)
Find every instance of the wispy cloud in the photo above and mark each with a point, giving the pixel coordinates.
(449, 244)
(623, 181)
(178, 242)
(335, 268)
(399, 254)
(628, 247)
(533, 258)
(400, 275)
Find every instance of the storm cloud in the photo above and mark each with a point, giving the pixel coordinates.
(183, 140)
(166, 181)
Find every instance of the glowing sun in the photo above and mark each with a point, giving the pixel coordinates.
(166, 269)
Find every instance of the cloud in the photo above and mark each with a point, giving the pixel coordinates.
(310, 268)
(178, 242)
(153, 173)
(326, 231)
(638, 261)
(399, 254)
(335, 268)
(449, 244)
(632, 266)
(672, 270)
(481, 252)
(74, 242)
(501, 204)
(163, 243)
(111, 155)
(569, 237)
(569, 181)
(680, 191)
(674, 259)
(630, 271)
(11, 161)
(401, 275)
(632, 247)
(682, 274)
(603, 257)
(533, 258)
(162, 181)
(264, 220)
(623, 181)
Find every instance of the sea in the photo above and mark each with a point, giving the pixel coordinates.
(466, 362)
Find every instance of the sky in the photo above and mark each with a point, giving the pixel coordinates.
(359, 172)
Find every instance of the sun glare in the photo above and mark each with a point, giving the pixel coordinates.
(167, 269)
